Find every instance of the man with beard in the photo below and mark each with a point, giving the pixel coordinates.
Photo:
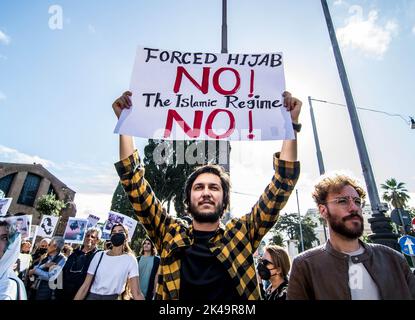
(204, 260)
(345, 268)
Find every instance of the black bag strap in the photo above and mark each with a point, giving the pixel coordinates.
(96, 269)
(18, 288)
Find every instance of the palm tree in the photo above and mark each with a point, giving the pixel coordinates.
(395, 193)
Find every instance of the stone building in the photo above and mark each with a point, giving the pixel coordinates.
(25, 183)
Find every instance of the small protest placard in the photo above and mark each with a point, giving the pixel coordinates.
(116, 217)
(47, 226)
(207, 96)
(5, 205)
(75, 230)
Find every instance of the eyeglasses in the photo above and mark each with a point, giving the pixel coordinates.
(265, 262)
(347, 200)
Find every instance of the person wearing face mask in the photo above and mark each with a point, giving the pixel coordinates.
(274, 267)
(110, 271)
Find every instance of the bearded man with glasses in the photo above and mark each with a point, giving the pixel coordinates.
(346, 268)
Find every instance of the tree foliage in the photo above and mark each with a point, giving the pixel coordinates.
(290, 225)
(395, 193)
(49, 205)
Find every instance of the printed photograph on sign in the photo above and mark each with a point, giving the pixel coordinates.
(75, 230)
(206, 96)
(116, 217)
(113, 218)
(21, 224)
(5, 205)
(92, 221)
(47, 226)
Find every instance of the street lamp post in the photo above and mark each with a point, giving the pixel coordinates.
(380, 225)
(318, 152)
(299, 219)
(224, 146)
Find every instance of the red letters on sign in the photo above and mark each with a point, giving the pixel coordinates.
(173, 115)
(204, 86)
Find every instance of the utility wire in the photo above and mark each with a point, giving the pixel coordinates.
(368, 109)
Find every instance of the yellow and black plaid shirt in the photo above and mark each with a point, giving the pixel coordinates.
(232, 244)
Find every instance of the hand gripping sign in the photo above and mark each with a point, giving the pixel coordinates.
(205, 96)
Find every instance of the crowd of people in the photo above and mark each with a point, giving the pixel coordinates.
(199, 258)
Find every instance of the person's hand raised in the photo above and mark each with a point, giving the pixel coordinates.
(123, 102)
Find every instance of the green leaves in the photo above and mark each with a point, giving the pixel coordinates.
(49, 205)
(395, 193)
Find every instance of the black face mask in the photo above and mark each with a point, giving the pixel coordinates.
(117, 239)
(42, 250)
(263, 271)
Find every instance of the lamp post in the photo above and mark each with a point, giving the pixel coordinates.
(380, 225)
(224, 146)
(318, 152)
(299, 219)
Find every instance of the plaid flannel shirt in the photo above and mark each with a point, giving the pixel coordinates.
(232, 244)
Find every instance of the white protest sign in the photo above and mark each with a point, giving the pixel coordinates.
(116, 217)
(75, 230)
(5, 205)
(21, 224)
(92, 220)
(47, 226)
(206, 96)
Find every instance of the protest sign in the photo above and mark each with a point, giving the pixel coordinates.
(75, 230)
(21, 224)
(47, 226)
(116, 217)
(206, 96)
(4, 205)
(92, 220)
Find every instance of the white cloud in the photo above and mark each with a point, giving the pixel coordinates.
(4, 38)
(95, 203)
(2, 96)
(367, 35)
(13, 155)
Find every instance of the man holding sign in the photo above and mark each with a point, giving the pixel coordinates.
(206, 260)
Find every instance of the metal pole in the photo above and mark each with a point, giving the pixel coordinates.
(224, 146)
(318, 151)
(404, 232)
(382, 231)
(299, 218)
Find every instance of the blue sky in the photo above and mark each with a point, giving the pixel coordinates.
(57, 86)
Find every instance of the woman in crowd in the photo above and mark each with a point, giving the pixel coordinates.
(11, 287)
(111, 270)
(274, 266)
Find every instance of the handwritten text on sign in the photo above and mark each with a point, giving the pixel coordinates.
(205, 96)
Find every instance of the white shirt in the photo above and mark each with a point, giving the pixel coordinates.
(362, 286)
(113, 273)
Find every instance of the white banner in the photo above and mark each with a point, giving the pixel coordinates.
(4, 205)
(206, 96)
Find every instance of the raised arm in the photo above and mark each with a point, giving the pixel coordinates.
(147, 207)
(126, 142)
(266, 211)
(289, 147)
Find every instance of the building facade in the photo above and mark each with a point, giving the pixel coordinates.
(26, 183)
